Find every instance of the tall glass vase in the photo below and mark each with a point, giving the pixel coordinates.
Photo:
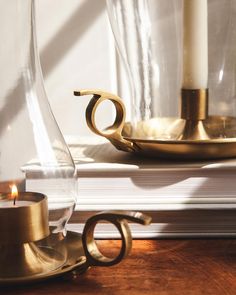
(147, 35)
(33, 153)
(158, 50)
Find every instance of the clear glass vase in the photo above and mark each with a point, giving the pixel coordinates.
(172, 45)
(33, 153)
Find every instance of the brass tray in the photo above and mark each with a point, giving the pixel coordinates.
(213, 137)
(165, 146)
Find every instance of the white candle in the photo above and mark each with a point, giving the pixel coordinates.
(195, 57)
(19, 203)
(14, 200)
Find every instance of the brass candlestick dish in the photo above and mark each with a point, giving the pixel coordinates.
(195, 135)
(21, 225)
(61, 254)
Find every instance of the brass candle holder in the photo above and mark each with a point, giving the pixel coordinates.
(21, 225)
(194, 111)
(194, 135)
(29, 253)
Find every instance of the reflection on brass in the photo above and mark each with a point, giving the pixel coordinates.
(57, 255)
(193, 136)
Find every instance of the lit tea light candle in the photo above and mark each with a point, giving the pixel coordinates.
(13, 200)
(14, 193)
(195, 55)
(23, 217)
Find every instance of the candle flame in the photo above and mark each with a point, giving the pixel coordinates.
(14, 193)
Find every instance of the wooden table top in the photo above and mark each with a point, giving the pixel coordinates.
(154, 267)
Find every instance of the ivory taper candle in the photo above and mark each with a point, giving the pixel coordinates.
(195, 55)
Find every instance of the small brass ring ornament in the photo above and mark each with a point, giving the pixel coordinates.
(119, 219)
(114, 132)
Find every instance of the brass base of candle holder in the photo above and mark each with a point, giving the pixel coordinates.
(57, 255)
(17, 261)
(193, 136)
(194, 111)
(37, 262)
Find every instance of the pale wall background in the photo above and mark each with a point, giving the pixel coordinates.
(76, 51)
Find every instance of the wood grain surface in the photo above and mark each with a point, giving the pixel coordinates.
(154, 267)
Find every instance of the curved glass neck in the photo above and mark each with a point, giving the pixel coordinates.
(24, 108)
(33, 152)
(17, 51)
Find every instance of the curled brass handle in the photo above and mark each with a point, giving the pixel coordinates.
(113, 132)
(119, 219)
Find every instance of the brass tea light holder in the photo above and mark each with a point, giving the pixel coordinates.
(23, 222)
(29, 252)
(194, 135)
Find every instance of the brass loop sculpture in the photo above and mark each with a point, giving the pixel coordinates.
(119, 220)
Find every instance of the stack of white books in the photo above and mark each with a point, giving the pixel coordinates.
(185, 199)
